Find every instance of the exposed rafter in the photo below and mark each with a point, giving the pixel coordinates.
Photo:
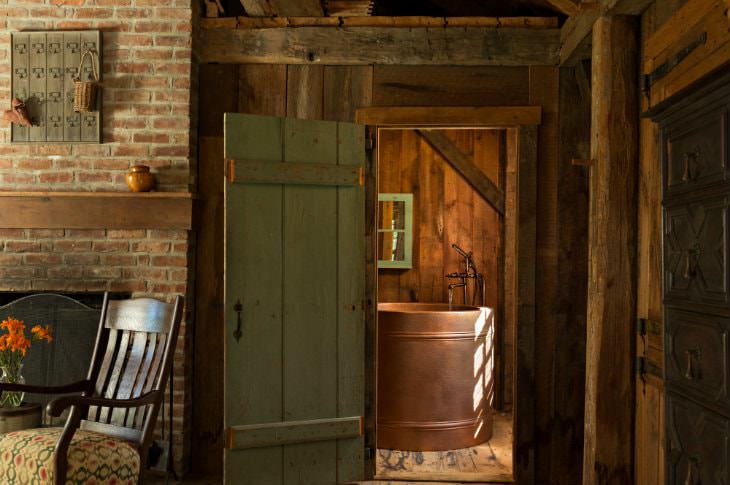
(568, 7)
(380, 21)
(281, 8)
(466, 46)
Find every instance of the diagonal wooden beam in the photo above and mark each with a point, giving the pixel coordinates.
(466, 168)
(576, 33)
(283, 8)
(578, 27)
(568, 7)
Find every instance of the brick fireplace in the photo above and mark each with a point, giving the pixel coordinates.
(146, 115)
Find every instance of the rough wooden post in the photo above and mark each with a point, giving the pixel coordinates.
(609, 410)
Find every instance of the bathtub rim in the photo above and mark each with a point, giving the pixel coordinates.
(426, 308)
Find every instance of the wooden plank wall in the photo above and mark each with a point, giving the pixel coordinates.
(333, 93)
(565, 423)
(447, 210)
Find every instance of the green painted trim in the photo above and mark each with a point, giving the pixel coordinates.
(262, 172)
(407, 262)
(290, 432)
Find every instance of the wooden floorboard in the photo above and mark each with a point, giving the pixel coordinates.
(488, 462)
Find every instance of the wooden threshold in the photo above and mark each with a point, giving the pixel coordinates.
(96, 210)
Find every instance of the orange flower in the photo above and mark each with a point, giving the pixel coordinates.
(12, 325)
(42, 333)
(15, 340)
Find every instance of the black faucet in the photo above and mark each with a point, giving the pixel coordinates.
(469, 273)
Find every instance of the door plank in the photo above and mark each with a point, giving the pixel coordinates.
(350, 300)
(254, 391)
(310, 319)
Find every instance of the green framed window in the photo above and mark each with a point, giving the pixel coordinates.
(395, 230)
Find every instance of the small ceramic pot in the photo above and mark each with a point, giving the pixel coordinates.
(139, 179)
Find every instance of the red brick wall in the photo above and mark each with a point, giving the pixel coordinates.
(146, 119)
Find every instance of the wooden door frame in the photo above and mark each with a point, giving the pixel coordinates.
(520, 122)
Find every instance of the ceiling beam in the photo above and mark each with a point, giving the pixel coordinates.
(467, 46)
(568, 7)
(463, 164)
(379, 21)
(282, 8)
(577, 28)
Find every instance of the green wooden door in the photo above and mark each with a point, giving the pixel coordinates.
(295, 261)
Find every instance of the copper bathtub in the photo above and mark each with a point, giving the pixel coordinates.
(434, 376)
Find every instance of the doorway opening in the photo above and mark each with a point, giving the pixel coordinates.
(444, 239)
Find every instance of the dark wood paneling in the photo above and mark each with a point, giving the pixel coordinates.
(346, 88)
(218, 95)
(565, 429)
(262, 89)
(304, 92)
(525, 342)
(697, 450)
(450, 86)
(544, 91)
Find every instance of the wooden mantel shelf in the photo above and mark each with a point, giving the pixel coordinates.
(96, 210)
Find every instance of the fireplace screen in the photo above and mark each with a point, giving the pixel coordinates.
(74, 325)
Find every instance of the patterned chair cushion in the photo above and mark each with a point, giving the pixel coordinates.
(26, 458)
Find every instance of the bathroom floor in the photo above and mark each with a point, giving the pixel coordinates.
(490, 461)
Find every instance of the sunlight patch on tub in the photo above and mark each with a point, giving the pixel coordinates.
(485, 317)
(478, 394)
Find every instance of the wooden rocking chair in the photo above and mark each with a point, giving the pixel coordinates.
(110, 426)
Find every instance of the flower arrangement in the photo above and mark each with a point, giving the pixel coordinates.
(14, 345)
